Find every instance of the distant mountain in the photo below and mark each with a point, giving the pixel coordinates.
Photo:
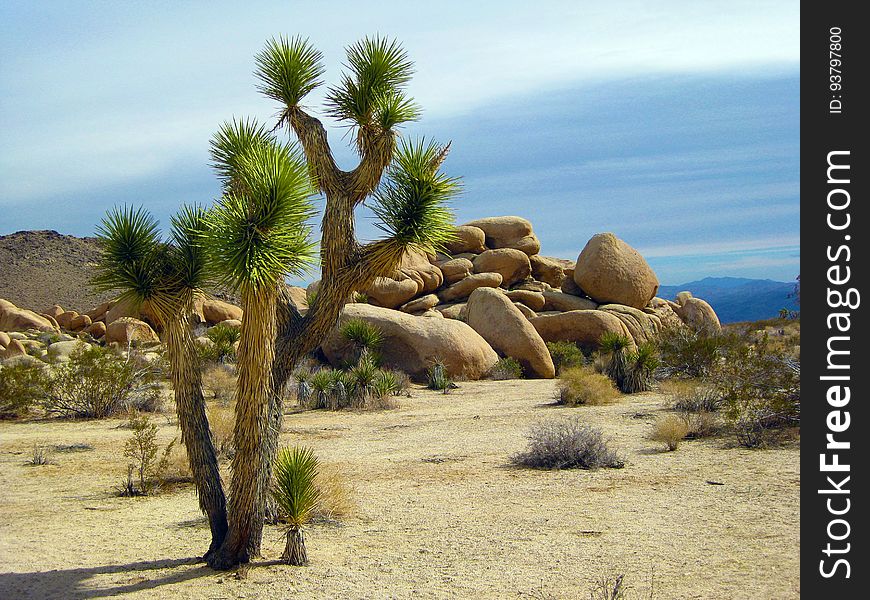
(737, 299)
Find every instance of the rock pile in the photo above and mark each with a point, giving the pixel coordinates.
(492, 295)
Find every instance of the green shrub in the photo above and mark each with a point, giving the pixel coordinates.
(566, 444)
(365, 337)
(689, 353)
(20, 389)
(565, 355)
(760, 389)
(506, 368)
(582, 385)
(222, 349)
(142, 450)
(98, 383)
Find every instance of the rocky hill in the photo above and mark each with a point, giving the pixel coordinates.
(42, 268)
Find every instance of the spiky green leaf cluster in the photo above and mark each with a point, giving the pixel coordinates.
(411, 205)
(142, 267)
(371, 92)
(232, 140)
(257, 232)
(295, 489)
(288, 69)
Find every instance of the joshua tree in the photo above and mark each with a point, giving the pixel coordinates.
(169, 277)
(257, 235)
(410, 206)
(297, 495)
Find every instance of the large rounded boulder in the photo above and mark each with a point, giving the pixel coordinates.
(412, 344)
(508, 331)
(583, 326)
(697, 313)
(13, 318)
(467, 238)
(508, 232)
(610, 271)
(127, 330)
(463, 288)
(513, 265)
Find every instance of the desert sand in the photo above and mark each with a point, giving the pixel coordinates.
(439, 511)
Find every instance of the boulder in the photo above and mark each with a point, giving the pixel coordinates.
(549, 270)
(565, 302)
(610, 271)
(453, 311)
(533, 300)
(698, 315)
(127, 330)
(234, 323)
(79, 322)
(412, 344)
(430, 313)
(55, 311)
(215, 311)
(508, 232)
(508, 331)
(513, 265)
(533, 286)
(4, 339)
(99, 312)
(59, 352)
(683, 296)
(52, 321)
(467, 239)
(416, 265)
(421, 304)
(13, 348)
(569, 286)
(643, 326)
(462, 289)
(583, 326)
(298, 298)
(22, 360)
(96, 330)
(527, 312)
(65, 318)
(13, 318)
(389, 293)
(456, 269)
(663, 310)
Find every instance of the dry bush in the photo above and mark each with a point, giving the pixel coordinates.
(142, 450)
(220, 382)
(221, 419)
(582, 385)
(41, 455)
(700, 424)
(670, 430)
(177, 467)
(566, 444)
(335, 501)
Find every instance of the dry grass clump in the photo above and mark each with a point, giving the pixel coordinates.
(220, 381)
(670, 430)
(566, 444)
(701, 424)
(582, 385)
(221, 418)
(41, 455)
(335, 501)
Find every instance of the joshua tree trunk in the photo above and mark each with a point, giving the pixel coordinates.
(253, 399)
(294, 552)
(195, 431)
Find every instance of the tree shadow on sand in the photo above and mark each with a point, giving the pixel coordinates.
(73, 583)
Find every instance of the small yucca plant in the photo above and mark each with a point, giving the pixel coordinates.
(320, 386)
(365, 337)
(297, 496)
(641, 365)
(614, 346)
(437, 378)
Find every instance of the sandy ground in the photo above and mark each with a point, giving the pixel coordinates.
(440, 512)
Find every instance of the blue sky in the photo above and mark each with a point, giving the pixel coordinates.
(673, 124)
